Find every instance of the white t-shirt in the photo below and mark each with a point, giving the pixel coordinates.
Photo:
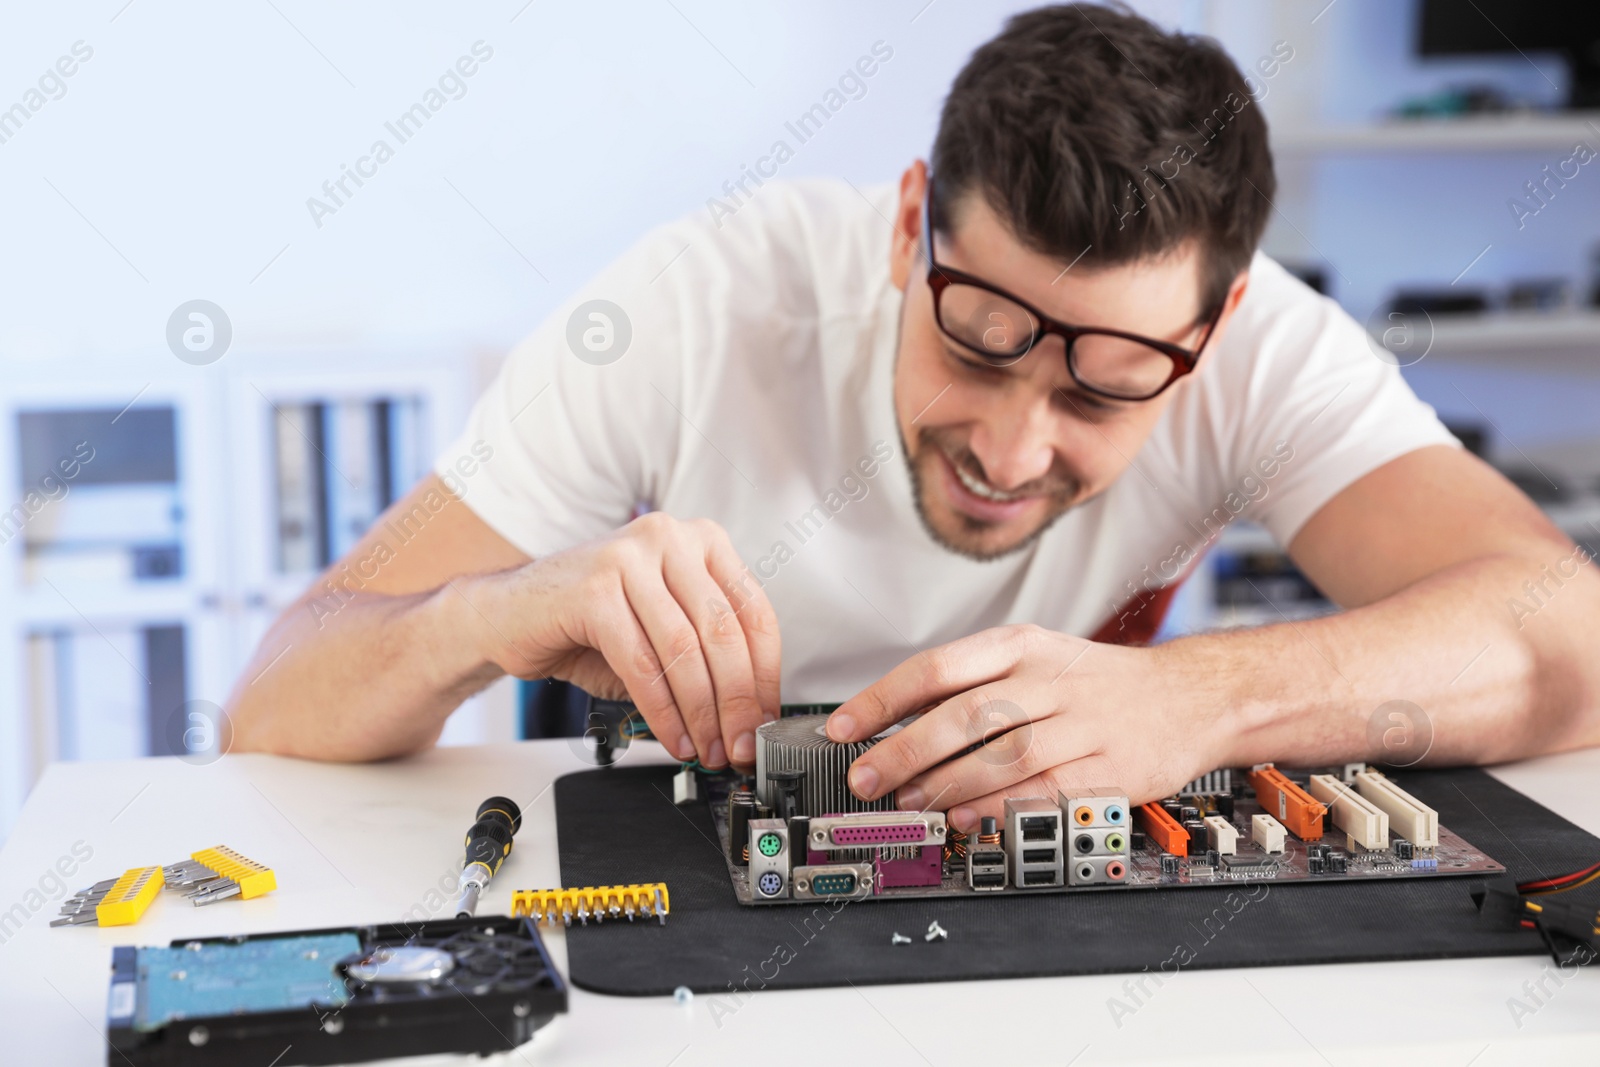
(755, 390)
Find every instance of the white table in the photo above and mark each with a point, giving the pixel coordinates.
(362, 844)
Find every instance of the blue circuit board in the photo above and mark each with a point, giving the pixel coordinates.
(222, 978)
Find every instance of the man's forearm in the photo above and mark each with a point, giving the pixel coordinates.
(1493, 683)
(376, 679)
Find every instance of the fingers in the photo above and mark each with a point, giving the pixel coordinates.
(685, 674)
(759, 624)
(630, 653)
(698, 639)
(1057, 745)
(756, 617)
(734, 709)
(927, 678)
(985, 717)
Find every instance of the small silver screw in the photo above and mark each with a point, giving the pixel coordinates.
(333, 1025)
(199, 1036)
(521, 1009)
(936, 932)
(899, 939)
(683, 994)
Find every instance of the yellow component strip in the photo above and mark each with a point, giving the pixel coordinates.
(597, 902)
(253, 878)
(125, 901)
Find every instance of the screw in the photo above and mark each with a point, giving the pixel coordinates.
(683, 994)
(899, 939)
(936, 932)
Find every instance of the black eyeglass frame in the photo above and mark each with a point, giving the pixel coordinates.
(941, 277)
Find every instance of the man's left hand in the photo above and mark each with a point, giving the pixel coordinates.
(1049, 713)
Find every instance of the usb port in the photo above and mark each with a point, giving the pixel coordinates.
(983, 881)
(1038, 855)
(1038, 877)
(988, 859)
(1039, 827)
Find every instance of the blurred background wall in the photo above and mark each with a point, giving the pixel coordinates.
(163, 160)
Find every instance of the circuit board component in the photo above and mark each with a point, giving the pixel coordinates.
(1267, 832)
(1032, 835)
(1365, 822)
(1221, 835)
(1408, 816)
(769, 857)
(1293, 806)
(1159, 826)
(1097, 836)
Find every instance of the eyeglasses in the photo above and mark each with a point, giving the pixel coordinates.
(1000, 329)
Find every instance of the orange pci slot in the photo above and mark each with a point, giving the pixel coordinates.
(1163, 829)
(1296, 808)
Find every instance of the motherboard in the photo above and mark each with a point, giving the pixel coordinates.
(794, 833)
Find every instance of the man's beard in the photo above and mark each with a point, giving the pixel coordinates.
(1060, 488)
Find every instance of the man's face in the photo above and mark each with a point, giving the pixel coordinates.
(998, 453)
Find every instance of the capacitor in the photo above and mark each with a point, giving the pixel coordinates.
(1197, 836)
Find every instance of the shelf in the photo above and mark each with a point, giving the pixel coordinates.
(1515, 132)
(1567, 341)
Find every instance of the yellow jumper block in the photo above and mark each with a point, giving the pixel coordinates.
(598, 902)
(127, 900)
(252, 878)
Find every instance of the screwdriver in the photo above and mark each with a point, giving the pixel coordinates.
(488, 844)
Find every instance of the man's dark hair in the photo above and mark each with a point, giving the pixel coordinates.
(1089, 127)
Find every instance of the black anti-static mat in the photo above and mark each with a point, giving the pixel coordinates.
(619, 825)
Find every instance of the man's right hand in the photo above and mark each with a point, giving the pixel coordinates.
(662, 611)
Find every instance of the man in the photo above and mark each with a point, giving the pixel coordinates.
(941, 436)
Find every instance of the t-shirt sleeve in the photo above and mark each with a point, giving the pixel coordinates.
(582, 422)
(1321, 410)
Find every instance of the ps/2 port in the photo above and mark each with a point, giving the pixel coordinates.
(770, 884)
(769, 844)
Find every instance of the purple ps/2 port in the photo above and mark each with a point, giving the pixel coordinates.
(892, 834)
